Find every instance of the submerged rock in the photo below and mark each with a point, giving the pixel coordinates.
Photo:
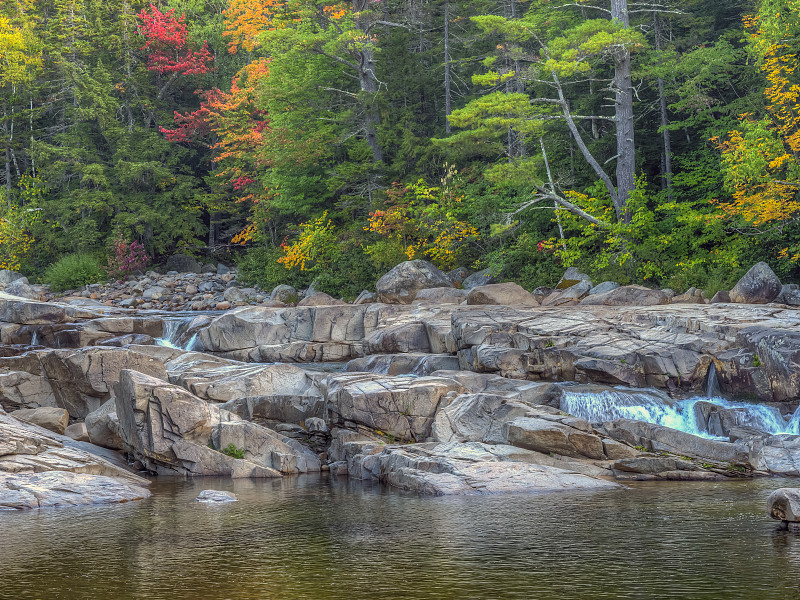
(216, 497)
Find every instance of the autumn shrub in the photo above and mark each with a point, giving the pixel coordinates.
(126, 258)
(73, 271)
(259, 266)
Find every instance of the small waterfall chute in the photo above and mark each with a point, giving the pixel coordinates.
(173, 329)
(690, 415)
(712, 383)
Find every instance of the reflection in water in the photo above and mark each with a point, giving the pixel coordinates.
(317, 538)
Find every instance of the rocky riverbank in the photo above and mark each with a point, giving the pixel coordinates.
(443, 391)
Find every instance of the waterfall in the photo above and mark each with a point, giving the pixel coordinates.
(685, 415)
(173, 329)
(35, 338)
(712, 384)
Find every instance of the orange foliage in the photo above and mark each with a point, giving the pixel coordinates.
(245, 19)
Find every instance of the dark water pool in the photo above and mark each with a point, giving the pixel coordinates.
(321, 538)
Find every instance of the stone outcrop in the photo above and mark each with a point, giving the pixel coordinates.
(39, 469)
(172, 431)
(402, 407)
(49, 417)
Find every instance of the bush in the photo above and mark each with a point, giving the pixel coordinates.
(74, 271)
(260, 266)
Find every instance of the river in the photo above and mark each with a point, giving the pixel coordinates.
(316, 537)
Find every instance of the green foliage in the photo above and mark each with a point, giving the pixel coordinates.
(259, 266)
(232, 451)
(73, 271)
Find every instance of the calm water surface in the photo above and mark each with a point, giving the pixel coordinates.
(319, 538)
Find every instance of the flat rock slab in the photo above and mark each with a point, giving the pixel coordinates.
(62, 488)
(216, 497)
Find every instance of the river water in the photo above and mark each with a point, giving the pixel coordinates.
(315, 537)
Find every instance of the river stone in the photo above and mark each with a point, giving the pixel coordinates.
(506, 294)
(784, 504)
(401, 284)
(78, 432)
(441, 295)
(602, 288)
(548, 436)
(284, 293)
(319, 299)
(690, 296)
(102, 426)
(458, 275)
(365, 297)
(21, 288)
(721, 297)
(27, 312)
(628, 295)
(483, 277)
(216, 497)
(61, 488)
(51, 418)
(183, 264)
(790, 294)
(571, 277)
(7, 276)
(758, 286)
(568, 296)
(208, 268)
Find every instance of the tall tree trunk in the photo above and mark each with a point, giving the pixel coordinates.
(372, 118)
(623, 116)
(447, 99)
(8, 154)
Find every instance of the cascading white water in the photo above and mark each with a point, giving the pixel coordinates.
(652, 407)
(172, 331)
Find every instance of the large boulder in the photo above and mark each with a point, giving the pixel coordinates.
(402, 407)
(628, 295)
(445, 295)
(7, 276)
(567, 436)
(401, 284)
(758, 286)
(23, 289)
(102, 426)
(784, 505)
(172, 431)
(284, 293)
(49, 417)
(573, 276)
(183, 264)
(568, 296)
(483, 277)
(790, 294)
(506, 294)
(319, 299)
(51, 489)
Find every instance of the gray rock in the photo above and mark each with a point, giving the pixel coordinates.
(571, 277)
(183, 264)
(284, 293)
(690, 296)
(102, 426)
(21, 288)
(570, 437)
(155, 293)
(365, 297)
(602, 288)
(568, 296)
(721, 297)
(222, 269)
(758, 286)
(790, 294)
(446, 295)
(784, 504)
(61, 489)
(208, 268)
(401, 284)
(216, 497)
(49, 417)
(319, 299)
(628, 295)
(458, 275)
(505, 294)
(240, 295)
(7, 276)
(78, 432)
(483, 277)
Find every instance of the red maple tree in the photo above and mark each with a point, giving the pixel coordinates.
(167, 44)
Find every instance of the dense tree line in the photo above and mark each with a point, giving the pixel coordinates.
(651, 142)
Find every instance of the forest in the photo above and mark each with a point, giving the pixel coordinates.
(313, 142)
